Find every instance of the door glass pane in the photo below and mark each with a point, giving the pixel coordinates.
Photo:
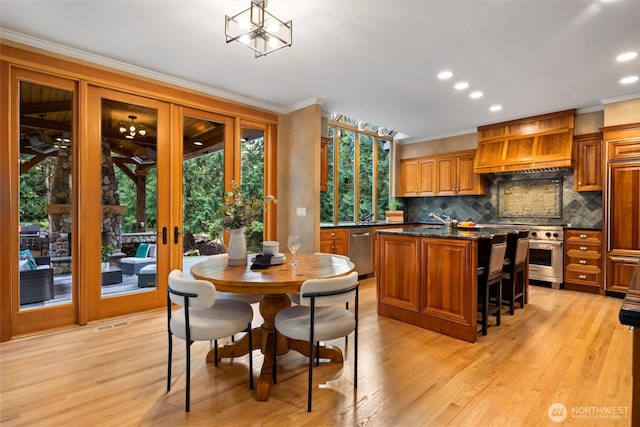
(202, 188)
(326, 197)
(129, 211)
(383, 177)
(252, 176)
(45, 195)
(365, 191)
(346, 170)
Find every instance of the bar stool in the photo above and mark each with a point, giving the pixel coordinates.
(490, 278)
(514, 272)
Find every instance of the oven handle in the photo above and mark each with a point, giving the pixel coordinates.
(543, 244)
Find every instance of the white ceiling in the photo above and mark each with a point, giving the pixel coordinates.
(373, 60)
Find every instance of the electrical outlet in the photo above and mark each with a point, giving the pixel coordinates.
(301, 211)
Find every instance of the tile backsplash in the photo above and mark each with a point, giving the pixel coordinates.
(580, 209)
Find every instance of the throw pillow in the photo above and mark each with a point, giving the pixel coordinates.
(142, 251)
(27, 255)
(24, 265)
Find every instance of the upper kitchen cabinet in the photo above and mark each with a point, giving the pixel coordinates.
(533, 143)
(418, 177)
(588, 166)
(450, 174)
(455, 176)
(324, 163)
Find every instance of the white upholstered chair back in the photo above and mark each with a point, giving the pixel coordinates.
(205, 290)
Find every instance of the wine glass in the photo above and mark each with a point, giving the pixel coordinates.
(293, 243)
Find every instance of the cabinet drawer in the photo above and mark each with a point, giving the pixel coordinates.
(334, 233)
(582, 260)
(583, 275)
(583, 246)
(583, 236)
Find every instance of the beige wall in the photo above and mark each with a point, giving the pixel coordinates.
(299, 177)
(622, 113)
(438, 146)
(588, 122)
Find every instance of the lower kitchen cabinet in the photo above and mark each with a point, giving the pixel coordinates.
(620, 272)
(583, 260)
(429, 282)
(334, 241)
(623, 204)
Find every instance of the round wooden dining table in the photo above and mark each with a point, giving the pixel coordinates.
(273, 283)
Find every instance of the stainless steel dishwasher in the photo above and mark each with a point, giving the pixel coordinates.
(361, 249)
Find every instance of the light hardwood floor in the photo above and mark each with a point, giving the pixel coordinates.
(564, 347)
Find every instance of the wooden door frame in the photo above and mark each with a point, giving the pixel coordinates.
(14, 320)
(91, 195)
(16, 56)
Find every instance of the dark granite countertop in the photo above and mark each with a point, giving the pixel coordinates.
(352, 224)
(575, 227)
(444, 233)
(630, 310)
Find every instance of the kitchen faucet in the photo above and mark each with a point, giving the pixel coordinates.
(448, 221)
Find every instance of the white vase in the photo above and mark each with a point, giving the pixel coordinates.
(105, 265)
(237, 247)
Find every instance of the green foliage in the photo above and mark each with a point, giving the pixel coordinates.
(34, 192)
(395, 204)
(106, 252)
(203, 191)
(240, 210)
(367, 190)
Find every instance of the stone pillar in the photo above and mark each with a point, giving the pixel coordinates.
(111, 218)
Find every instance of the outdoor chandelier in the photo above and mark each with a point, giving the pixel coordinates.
(130, 131)
(258, 29)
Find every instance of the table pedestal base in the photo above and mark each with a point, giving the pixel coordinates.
(263, 339)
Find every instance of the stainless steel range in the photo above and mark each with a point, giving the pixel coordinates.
(546, 257)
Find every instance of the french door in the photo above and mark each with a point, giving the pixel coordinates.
(93, 182)
(80, 181)
(38, 175)
(128, 173)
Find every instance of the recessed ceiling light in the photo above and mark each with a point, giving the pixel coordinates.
(461, 85)
(495, 108)
(198, 143)
(444, 75)
(628, 80)
(627, 56)
(475, 95)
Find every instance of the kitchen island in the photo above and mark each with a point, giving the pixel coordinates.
(427, 276)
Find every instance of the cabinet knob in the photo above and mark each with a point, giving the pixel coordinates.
(583, 236)
(583, 261)
(582, 276)
(583, 248)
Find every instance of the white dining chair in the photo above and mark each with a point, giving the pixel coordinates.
(321, 317)
(203, 317)
(295, 296)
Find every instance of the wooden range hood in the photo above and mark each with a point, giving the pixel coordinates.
(534, 143)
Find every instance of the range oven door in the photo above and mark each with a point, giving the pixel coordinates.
(546, 261)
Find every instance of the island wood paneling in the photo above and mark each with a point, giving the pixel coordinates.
(429, 282)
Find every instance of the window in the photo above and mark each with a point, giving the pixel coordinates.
(358, 166)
